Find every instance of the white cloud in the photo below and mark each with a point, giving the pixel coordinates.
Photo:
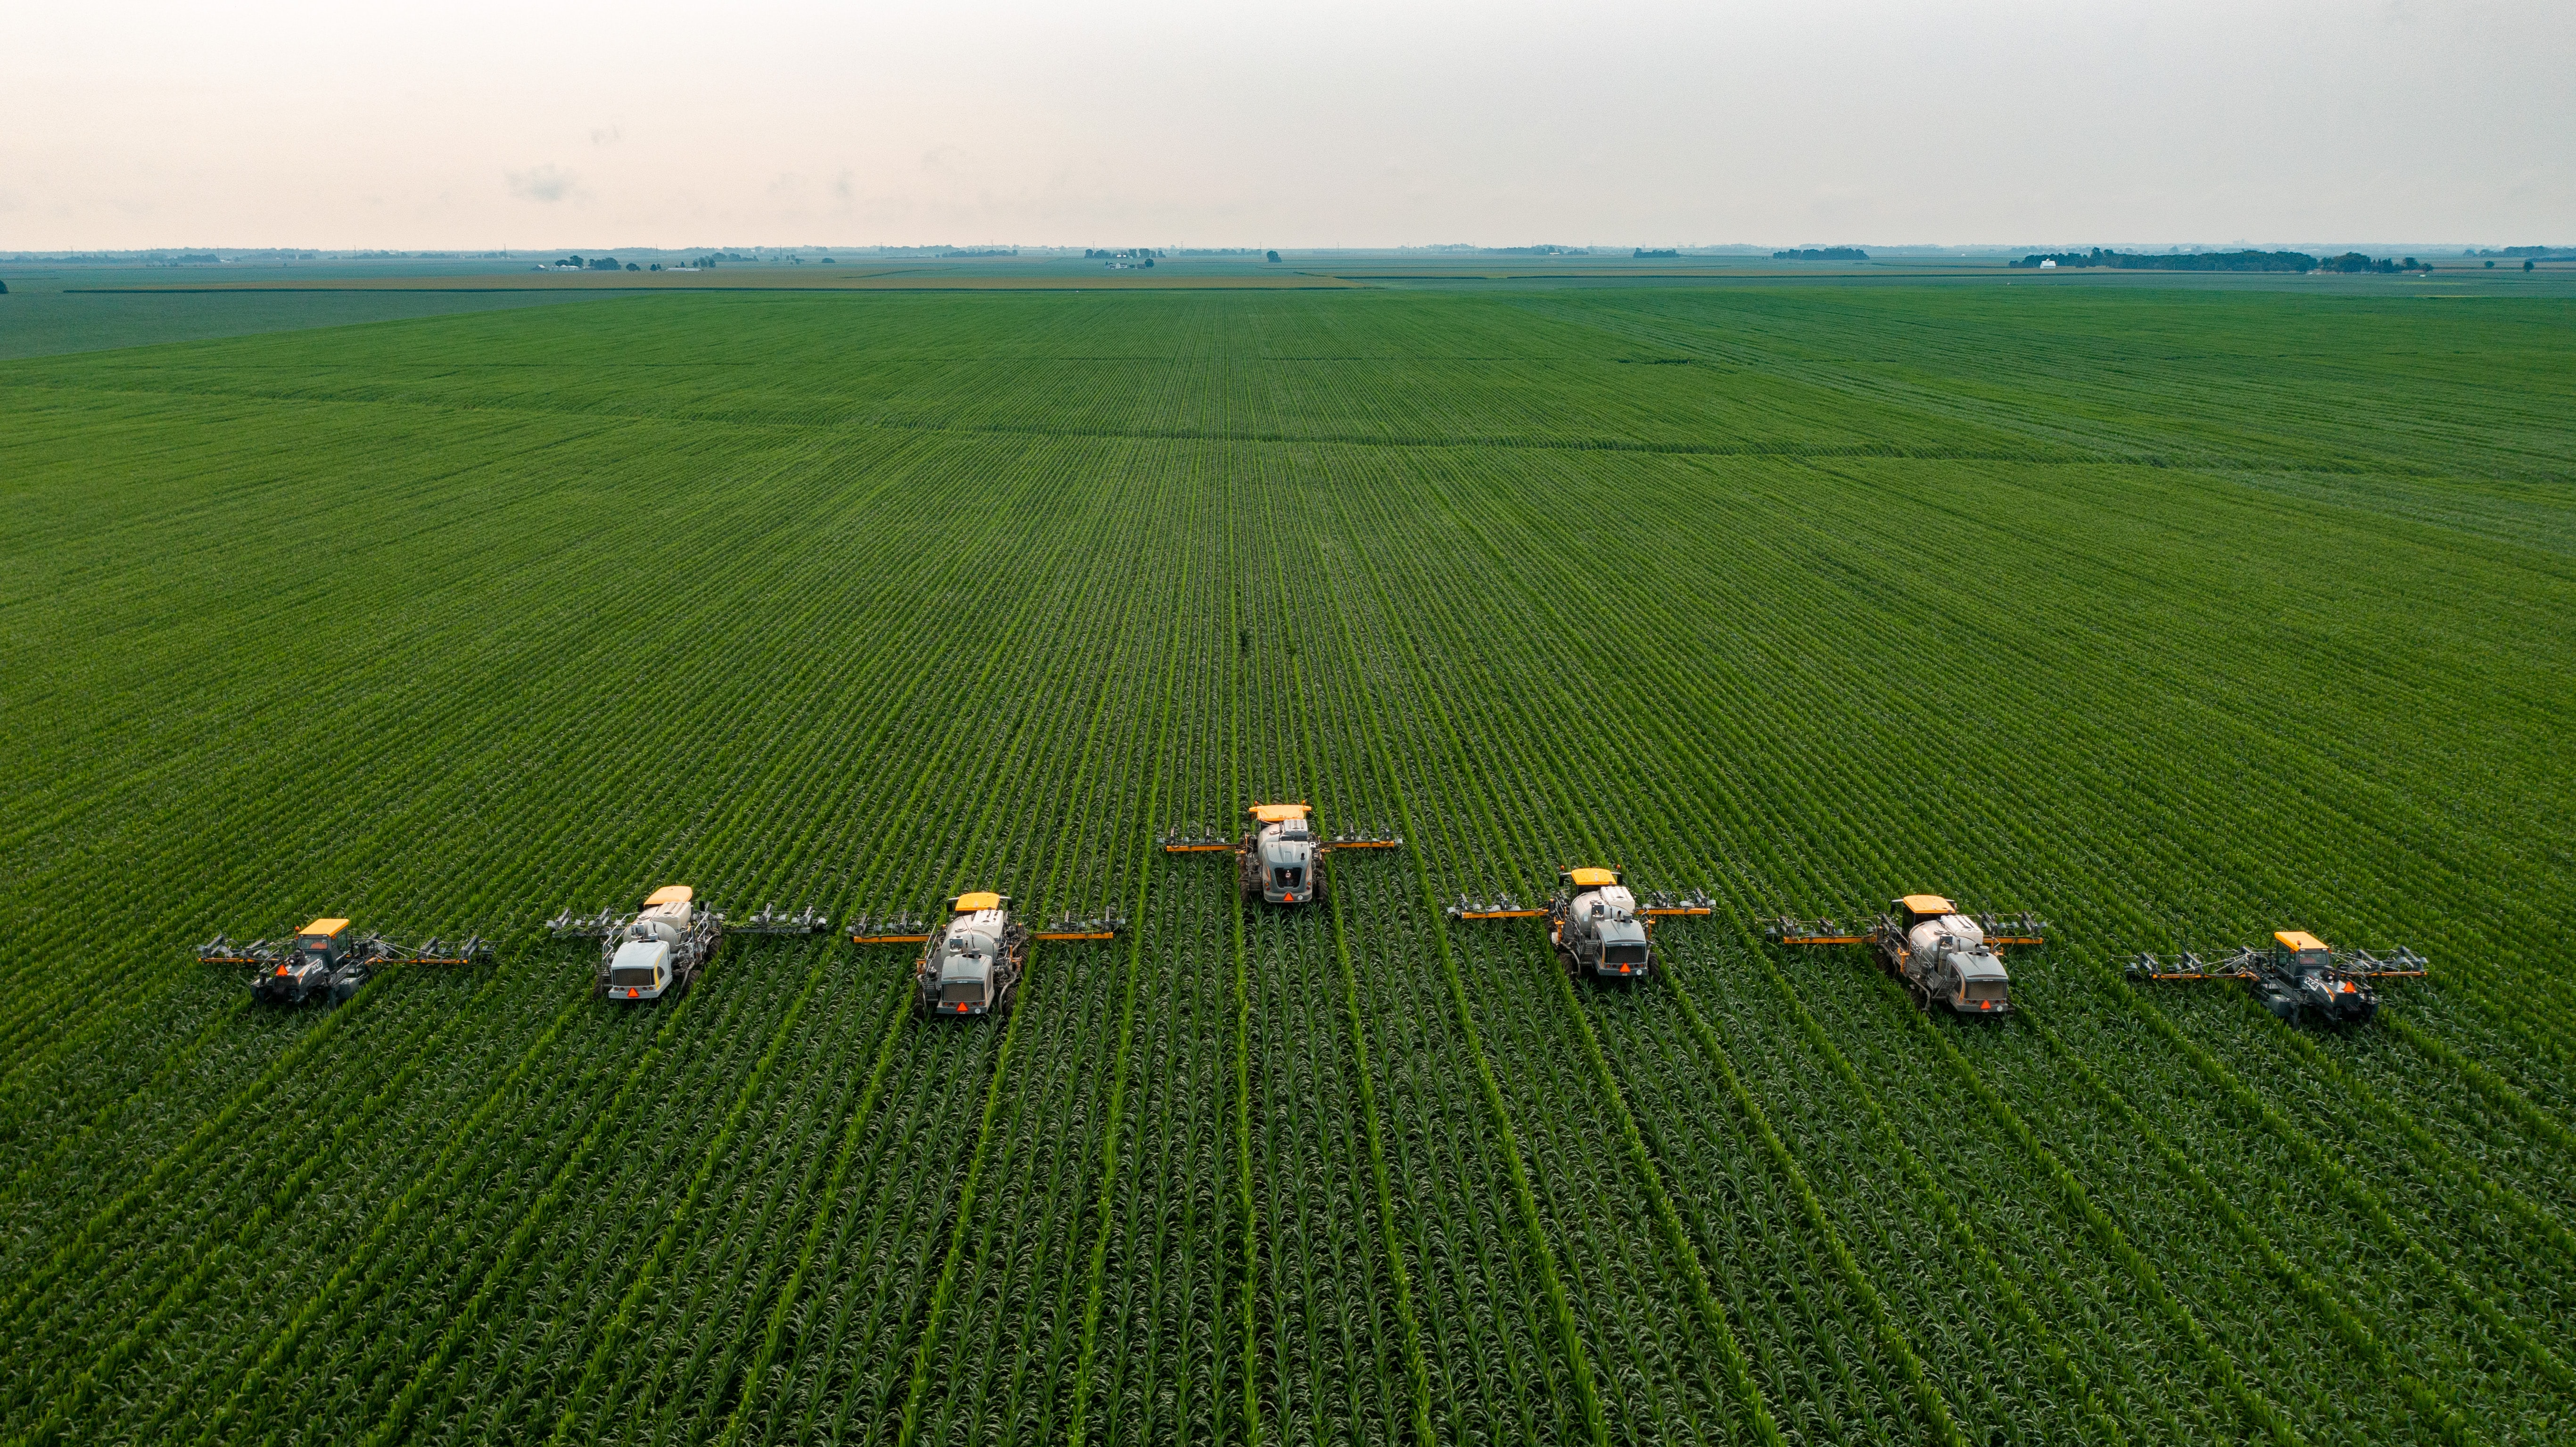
(546, 183)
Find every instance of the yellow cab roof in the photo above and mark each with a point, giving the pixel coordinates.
(2298, 939)
(1592, 878)
(1280, 813)
(978, 899)
(670, 894)
(325, 927)
(1928, 904)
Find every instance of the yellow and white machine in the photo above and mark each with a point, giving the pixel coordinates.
(1281, 857)
(1943, 954)
(1596, 923)
(977, 956)
(660, 949)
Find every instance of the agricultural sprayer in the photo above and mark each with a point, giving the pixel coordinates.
(1941, 953)
(328, 960)
(1281, 857)
(2297, 977)
(978, 955)
(661, 948)
(1594, 923)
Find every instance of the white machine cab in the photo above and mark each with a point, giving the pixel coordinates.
(966, 955)
(641, 968)
(1948, 956)
(1284, 851)
(974, 962)
(1601, 929)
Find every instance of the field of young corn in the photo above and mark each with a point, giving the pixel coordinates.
(2176, 617)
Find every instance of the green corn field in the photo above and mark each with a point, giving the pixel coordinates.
(2177, 616)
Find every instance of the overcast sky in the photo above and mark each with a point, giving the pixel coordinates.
(1293, 123)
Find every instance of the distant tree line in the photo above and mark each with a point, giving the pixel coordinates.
(1643, 254)
(2296, 261)
(2354, 261)
(1461, 248)
(1822, 253)
(165, 254)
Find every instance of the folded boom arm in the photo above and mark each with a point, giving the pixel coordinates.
(370, 950)
(772, 921)
(224, 951)
(1790, 930)
(472, 950)
(2249, 963)
(1505, 905)
(1067, 927)
(894, 929)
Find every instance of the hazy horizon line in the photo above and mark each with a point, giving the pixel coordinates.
(1714, 248)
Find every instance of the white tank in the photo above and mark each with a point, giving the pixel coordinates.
(973, 946)
(1614, 899)
(1291, 843)
(1926, 937)
(1965, 976)
(1601, 930)
(1592, 908)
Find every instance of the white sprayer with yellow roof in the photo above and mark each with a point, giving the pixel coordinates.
(1281, 858)
(660, 949)
(1595, 923)
(1943, 954)
(976, 958)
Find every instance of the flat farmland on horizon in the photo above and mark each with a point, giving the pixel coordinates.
(2176, 616)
